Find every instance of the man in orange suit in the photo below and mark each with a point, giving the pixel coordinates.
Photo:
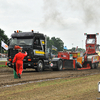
(18, 59)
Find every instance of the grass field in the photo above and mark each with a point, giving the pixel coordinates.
(3, 65)
(82, 88)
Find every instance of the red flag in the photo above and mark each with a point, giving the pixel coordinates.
(76, 48)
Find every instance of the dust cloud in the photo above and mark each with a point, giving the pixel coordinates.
(58, 12)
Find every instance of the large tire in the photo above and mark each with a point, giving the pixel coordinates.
(59, 66)
(96, 65)
(39, 66)
(92, 66)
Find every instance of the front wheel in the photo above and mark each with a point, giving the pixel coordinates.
(39, 66)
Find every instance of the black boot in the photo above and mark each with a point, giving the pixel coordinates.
(19, 75)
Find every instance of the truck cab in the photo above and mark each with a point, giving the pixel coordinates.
(32, 43)
(91, 58)
(91, 43)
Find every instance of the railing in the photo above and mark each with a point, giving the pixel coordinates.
(3, 59)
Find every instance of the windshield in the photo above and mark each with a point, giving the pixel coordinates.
(15, 41)
(90, 41)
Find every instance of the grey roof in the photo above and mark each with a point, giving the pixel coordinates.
(23, 34)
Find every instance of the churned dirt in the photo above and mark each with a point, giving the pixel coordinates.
(61, 91)
(7, 77)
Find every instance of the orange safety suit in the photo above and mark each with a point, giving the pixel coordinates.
(19, 62)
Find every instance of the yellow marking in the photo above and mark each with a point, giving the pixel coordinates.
(39, 52)
(79, 59)
(97, 57)
(74, 55)
(43, 42)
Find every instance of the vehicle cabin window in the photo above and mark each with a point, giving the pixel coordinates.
(37, 41)
(37, 44)
(90, 41)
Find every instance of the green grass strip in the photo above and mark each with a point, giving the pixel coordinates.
(3, 65)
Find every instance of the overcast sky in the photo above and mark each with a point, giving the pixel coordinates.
(65, 19)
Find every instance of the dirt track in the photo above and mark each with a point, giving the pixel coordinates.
(7, 77)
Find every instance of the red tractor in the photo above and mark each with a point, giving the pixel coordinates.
(89, 60)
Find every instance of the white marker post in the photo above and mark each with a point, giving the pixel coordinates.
(99, 87)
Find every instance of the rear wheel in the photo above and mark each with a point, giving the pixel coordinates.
(59, 66)
(96, 65)
(92, 66)
(39, 66)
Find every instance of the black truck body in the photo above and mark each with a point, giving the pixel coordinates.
(36, 47)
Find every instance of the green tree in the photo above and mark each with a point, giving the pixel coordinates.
(57, 42)
(78, 49)
(3, 38)
(81, 49)
(49, 42)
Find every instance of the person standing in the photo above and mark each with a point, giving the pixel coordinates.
(18, 59)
